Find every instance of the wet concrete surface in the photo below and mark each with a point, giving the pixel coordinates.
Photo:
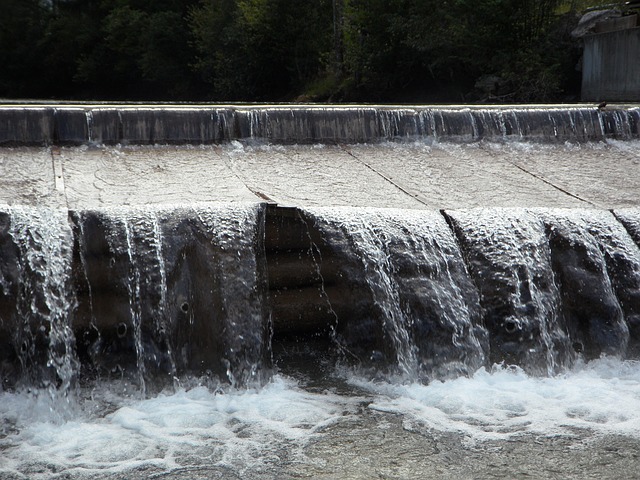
(378, 447)
(441, 176)
(27, 177)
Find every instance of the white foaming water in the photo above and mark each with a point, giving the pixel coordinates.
(238, 431)
(599, 398)
(253, 432)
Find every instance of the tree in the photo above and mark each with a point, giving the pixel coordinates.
(259, 49)
(22, 27)
(144, 52)
(270, 50)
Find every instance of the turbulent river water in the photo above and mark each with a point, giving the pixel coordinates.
(497, 422)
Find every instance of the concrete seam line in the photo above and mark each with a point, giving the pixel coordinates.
(551, 184)
(415, 196)
(58, 173)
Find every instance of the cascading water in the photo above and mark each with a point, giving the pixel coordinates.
(146, 279)
(414, 270)
(597, 264)
(182, 291)
(510, 261)
(237, 232)
(149, 293)
(311, 124)
(38, 298)
(535, 288)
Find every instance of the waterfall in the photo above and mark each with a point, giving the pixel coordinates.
(599, 270)
(237, 233)
(152, 294)
(36, 282)
(309, 124)
(536, 288)
(193, 289)
(156, 295)
(426, 303)
(510, 262)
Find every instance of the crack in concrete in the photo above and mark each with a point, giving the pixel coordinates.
(553, 185)
(415, 196)
(228, 163)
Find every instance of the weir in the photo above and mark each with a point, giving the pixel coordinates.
(158, 242)
(107, 124)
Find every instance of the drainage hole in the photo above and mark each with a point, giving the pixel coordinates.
(510, 326)
(122, 329)
(184, 307)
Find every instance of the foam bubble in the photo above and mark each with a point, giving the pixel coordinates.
(602, 397)
(627, 146)
(239, 430)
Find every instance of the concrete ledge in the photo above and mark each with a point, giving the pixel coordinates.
(35, 125)
(26, 126)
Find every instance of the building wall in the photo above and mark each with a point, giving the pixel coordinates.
(611, 66)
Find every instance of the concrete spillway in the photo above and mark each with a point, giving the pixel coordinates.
(431, 241)
(303, 124)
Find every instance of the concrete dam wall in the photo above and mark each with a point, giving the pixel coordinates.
(423, 241)
(109, 125)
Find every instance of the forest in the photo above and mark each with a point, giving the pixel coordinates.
(291, 50)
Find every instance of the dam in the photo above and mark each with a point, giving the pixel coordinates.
(170, 247)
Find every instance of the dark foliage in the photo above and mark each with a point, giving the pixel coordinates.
(282, 50)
